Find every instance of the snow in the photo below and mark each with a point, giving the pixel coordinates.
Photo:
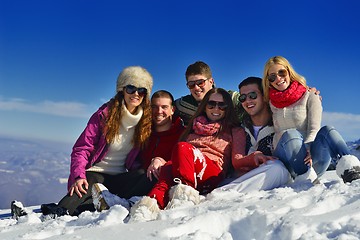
(330, 210)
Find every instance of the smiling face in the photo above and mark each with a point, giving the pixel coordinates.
(199, 92)
(253, 107)
(132, 101)
(215, 113)
(162, 112)
(280, 83)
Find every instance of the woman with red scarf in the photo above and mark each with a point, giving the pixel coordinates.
(304, 148)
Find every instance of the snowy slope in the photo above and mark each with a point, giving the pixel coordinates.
(330, 210)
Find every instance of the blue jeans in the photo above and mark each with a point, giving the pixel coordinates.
(328, 145)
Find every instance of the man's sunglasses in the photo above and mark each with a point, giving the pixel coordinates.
(212, 104)
(281, 73)
(130, 89)
(199, 83)
(251, 95)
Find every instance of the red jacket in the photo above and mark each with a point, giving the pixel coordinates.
(161, 143)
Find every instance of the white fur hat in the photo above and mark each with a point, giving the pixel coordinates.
(136, 76)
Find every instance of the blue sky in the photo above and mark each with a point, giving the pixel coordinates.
(59, 60)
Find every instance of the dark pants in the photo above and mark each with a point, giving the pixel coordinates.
(125, 185)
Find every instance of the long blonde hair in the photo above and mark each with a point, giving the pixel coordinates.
(113, 119)
(294, 76)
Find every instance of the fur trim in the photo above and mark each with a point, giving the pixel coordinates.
(144, 210)
(182, 195)
(136, 76)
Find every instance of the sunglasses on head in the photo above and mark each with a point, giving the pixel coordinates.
(199, 83)
(281, 73)
(212, 104)
(251, 95)
(130, 89)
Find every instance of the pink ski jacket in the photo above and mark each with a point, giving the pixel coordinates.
(90, 147)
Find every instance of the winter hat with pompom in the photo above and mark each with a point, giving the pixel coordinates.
(136, 76)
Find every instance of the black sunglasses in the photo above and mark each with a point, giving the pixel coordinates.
(251, 95)
(199, 83)
(130, 89)
(212, 104)
(281, 73)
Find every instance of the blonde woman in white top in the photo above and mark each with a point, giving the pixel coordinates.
(304, 148)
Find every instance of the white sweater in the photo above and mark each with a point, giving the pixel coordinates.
(114, 161)
(303, 115)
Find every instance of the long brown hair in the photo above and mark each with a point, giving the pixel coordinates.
(227, 123)
(113, 120)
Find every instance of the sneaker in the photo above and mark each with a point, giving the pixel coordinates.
(348, 168)
(144, 210)
(17, 210)
(52, 210)
(182, 195)
(103, 199)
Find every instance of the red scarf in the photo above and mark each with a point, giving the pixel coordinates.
(292, 94)
(203, 127)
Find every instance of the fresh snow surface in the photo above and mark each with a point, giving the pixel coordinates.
(330, 210)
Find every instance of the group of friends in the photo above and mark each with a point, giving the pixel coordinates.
(151, 152)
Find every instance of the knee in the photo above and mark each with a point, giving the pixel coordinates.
(328, 133)
(292, 134)
(325, 130)
(181, 145)
(291, 138)
(180, 150)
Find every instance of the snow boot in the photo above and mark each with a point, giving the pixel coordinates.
(103, 199)
(144, 210)
(182, 195)
(97, 193)
(348, 168)
(17, 210)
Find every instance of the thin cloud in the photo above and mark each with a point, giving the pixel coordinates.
(64, 109)
(346, 123)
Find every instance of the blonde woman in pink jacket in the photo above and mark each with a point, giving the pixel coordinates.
(200, 161)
